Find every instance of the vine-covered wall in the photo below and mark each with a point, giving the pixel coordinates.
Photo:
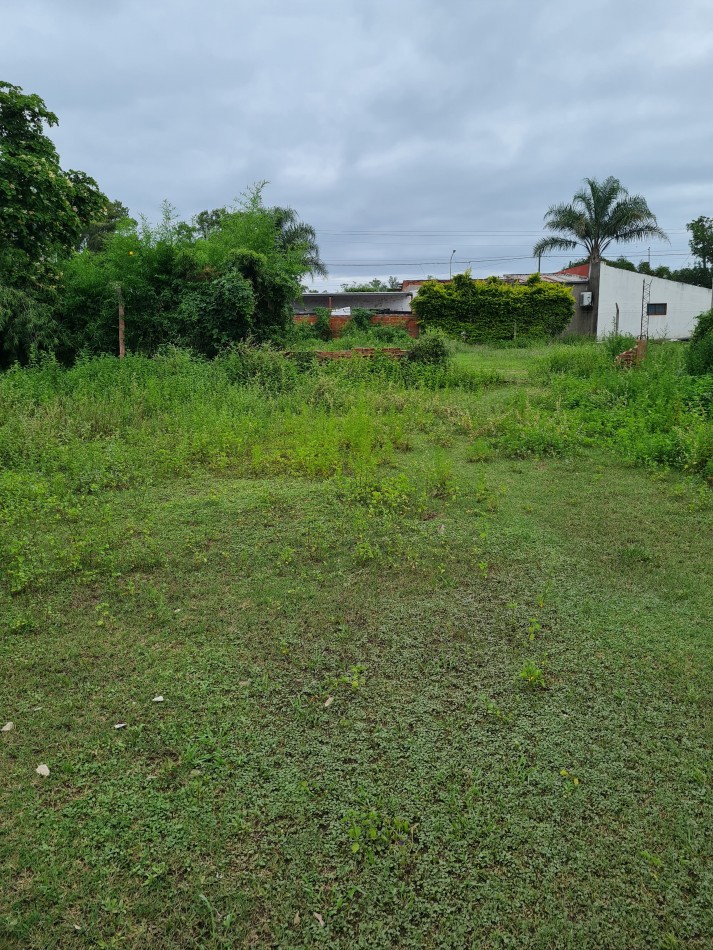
(492, 310)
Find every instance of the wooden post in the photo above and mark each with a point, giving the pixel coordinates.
(120, 306)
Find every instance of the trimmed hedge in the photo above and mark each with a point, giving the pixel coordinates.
(491, 310)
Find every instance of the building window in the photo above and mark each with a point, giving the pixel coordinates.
(656, 309)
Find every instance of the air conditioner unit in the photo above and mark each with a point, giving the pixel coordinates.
(585, 299)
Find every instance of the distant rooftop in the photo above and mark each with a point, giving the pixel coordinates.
(564, 277)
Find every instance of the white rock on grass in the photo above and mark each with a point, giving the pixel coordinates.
(8, 727)
(43, 770)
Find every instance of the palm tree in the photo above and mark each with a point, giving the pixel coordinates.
(600, 213)
(295, 235)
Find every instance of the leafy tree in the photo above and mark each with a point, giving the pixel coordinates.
(701, 244)
(171, 286)
(27, 327)
(205, 222)
(43, 209)
(600, 214)
(373, 286)
(692, 275)
(216, 313)
(95, 233)
(623, 264)
(142, 269)
(274, 232)
(274, 287)
(661, 271)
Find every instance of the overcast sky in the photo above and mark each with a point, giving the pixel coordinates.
(400, 129)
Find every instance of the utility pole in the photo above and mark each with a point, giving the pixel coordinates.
(450, 265)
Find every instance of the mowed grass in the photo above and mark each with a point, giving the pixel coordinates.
(417, 692)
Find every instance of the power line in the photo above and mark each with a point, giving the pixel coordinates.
(414, 232)
(473, 260)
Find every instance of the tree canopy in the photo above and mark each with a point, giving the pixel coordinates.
(701, 244)
(600, 214)
(373, 286)
(227, 275)
(699, 273)
(43, 209)
(74, 266)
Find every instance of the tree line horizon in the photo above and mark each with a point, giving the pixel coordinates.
(80, 275)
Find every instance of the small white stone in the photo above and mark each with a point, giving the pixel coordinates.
(157, 699)
(42, 770)
(120, 725)
(8, 727)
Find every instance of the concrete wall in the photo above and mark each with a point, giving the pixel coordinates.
(623, 287)
(582, 322)
(406, 321)
(393, 302)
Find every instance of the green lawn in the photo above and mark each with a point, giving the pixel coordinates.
(452, 699)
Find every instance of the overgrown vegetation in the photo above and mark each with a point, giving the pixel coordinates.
(297, 641)
(77, 275)
(491, 310)
(699, 357)
(363, 653)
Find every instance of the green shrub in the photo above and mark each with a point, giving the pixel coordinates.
(390, 335)
(298, 333)
(217, 313)
(617, 343)
(361, 318)
(699, 356)
(375, 334)
(430, 348)
(322, 326)
(703, 327)
(245, 364)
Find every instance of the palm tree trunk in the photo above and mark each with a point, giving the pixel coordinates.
(595, 265)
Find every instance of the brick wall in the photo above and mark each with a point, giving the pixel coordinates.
(405, 321)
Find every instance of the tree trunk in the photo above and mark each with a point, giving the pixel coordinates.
(594, 281)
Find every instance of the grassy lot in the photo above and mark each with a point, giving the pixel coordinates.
(435, 662)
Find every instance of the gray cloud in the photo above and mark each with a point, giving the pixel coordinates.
(436, 125)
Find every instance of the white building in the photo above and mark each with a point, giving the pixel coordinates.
(671, 308)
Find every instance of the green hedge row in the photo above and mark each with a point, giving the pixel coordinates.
(492, 310)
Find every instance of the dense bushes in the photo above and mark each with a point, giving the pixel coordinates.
(704, 326)
(175, 284)
(429, 348)
(491, 310)
(322, 327)
(699, 359)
